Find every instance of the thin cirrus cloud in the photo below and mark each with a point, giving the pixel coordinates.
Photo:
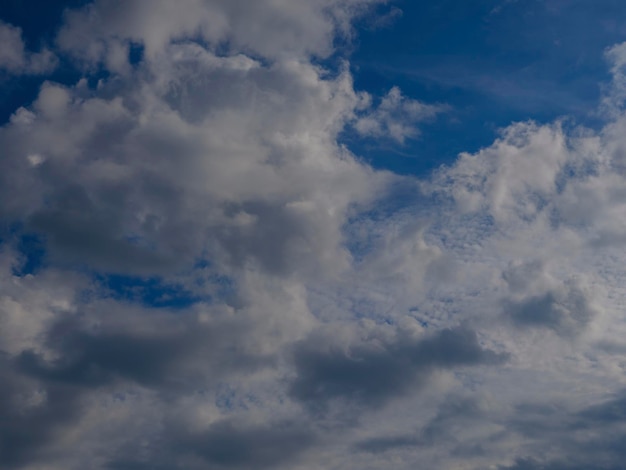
(196, 271)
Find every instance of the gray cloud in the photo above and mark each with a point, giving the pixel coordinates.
(383, 444)
(15, 59)
(566, 313)
(455, 412)
(371, 374)
(34, 414)
(94, 360)
(168, 356)
(226, 444)
(609, 412)
(229, 446)
(41, 398)
(537, 301)
(592, 437)
(532, 464)
(278, 240)
(31, 415)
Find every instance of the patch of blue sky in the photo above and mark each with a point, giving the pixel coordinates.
(29, 247)
(135, 53)
(207, 277)
(39, 20)
(32, 254)
(150, 292)
(202, 284)
(493, 62)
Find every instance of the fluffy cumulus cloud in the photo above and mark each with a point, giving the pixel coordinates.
(196, 272)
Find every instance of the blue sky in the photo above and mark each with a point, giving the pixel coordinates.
(306, 234)
(493, 62)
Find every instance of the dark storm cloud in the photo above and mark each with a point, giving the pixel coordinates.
(371, 375)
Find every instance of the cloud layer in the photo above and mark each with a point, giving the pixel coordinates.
(197, 272)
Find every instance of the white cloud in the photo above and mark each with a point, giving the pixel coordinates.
(613, 103)
(191, 164)
(16, 60)
(12, 52)
(396, 117)
(214, 164)
(270, 29)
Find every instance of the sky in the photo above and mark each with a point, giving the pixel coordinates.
(312, 234)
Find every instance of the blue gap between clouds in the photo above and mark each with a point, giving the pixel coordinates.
(492, 66)
(155, 292)
(30, 248)
(150, 292)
